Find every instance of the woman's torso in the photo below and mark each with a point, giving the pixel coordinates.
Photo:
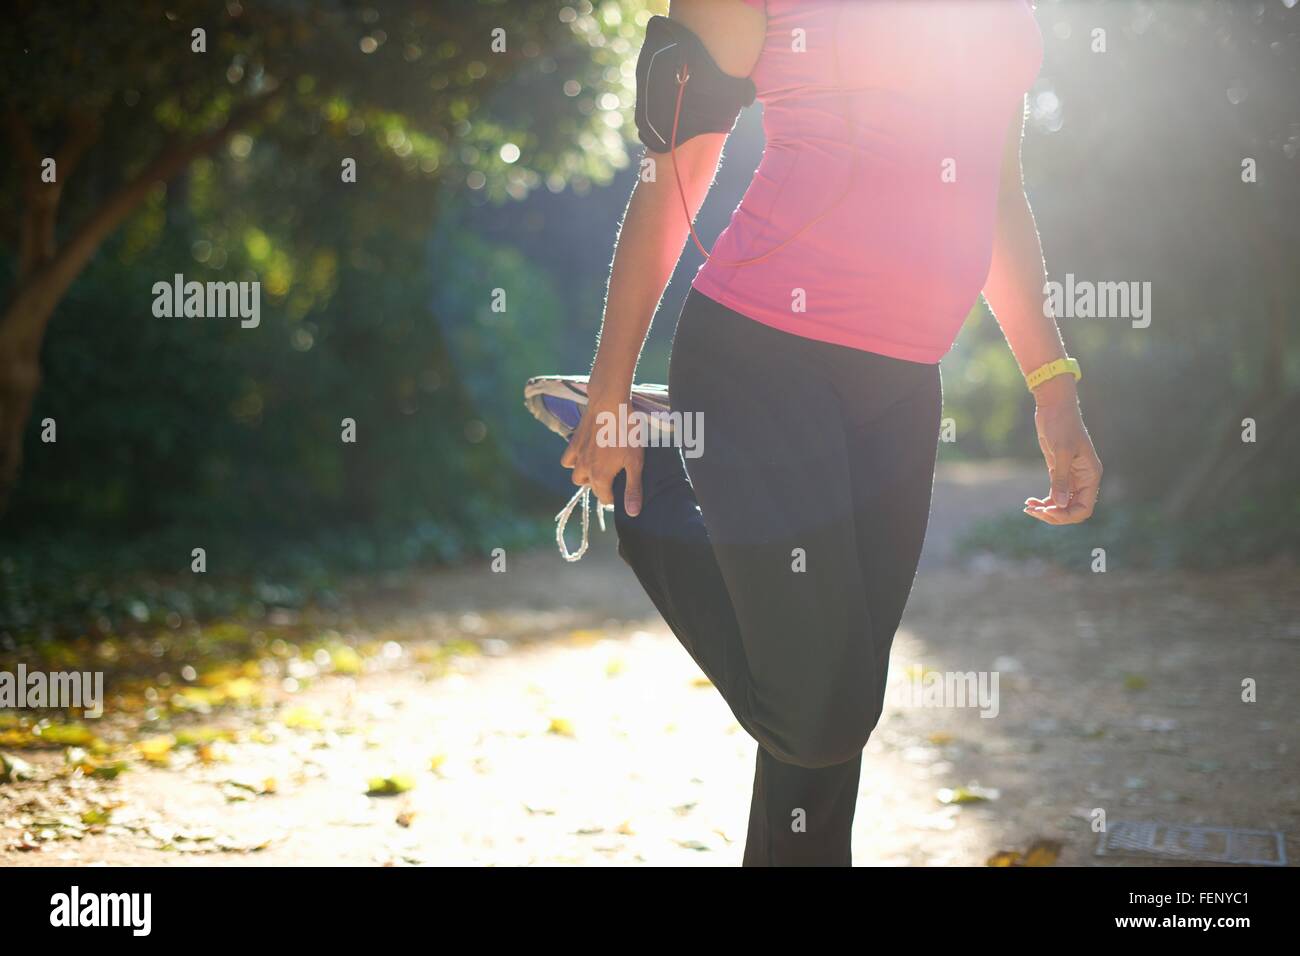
(892, 114)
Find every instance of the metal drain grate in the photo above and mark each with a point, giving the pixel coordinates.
(1175, 841)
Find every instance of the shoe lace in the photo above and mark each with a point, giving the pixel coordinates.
(582, 496)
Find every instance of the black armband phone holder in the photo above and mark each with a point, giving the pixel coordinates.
(672, 61)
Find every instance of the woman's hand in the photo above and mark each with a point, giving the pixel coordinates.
(1072, 462)
(596, 461)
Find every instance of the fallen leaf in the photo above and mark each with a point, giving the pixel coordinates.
(106, 771)
(156, 749)
(692, 845)
(389, 786)
(1042, 853)
(962, 795)
(302, 718)
(66, 735)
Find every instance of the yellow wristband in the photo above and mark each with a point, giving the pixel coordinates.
(1062, 366)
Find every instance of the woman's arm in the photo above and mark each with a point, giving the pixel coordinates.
(649, 244)
(648, 247)
(1014, 291)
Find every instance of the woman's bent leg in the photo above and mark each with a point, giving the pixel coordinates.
(667, 546)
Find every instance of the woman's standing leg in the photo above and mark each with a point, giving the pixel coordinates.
(778, 617)
(892, 410)
(801, 816)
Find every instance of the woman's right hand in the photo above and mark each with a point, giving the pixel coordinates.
(596, 460)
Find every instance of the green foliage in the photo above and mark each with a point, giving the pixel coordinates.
(183, 433)
(1137, 535)
(405, 87)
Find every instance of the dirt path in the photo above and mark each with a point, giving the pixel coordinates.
(589, 736)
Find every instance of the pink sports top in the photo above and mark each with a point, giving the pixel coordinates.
(893, 115)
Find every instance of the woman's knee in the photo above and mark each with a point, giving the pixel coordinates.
(827, 744)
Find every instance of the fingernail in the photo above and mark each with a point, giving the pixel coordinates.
(1062, 498)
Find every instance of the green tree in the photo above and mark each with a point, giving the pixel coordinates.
(126, 98)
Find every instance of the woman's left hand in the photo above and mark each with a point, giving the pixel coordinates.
(1072, 462)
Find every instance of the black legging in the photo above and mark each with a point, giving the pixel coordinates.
(814, 485)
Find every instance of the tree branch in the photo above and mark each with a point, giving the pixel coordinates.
(36, 297)
(83, 132)
(28, 158)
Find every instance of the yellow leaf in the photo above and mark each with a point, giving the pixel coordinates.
(241, 688)
(389, 786)
(195, 698)
(962, 795)
(66, 735)
(156, 749)
(1042, 853)
(206, 736)
(103, 771)
(346, 660)
(218, 676)
(17, 739)
(301, 718)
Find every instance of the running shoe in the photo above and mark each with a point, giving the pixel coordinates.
(558, 401)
